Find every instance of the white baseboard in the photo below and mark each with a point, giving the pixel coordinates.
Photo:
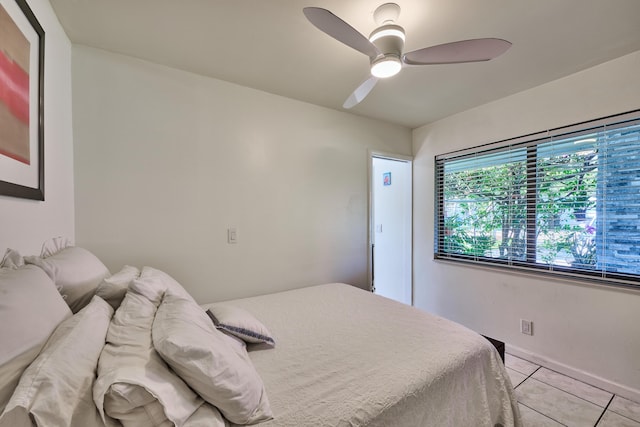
(610, 386)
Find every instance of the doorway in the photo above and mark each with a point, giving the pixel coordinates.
(391, 226)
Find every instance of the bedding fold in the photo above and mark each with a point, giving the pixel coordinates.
(134, 384)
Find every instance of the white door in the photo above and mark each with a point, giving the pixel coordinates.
(391, 227)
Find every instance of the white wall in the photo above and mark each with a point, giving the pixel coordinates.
(589, 331)
(26, 224)
(166, 161)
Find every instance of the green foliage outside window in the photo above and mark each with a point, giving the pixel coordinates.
(485, 208)
(564, 201)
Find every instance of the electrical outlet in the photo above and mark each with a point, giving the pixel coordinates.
(526, 327)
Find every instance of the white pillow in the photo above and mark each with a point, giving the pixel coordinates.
(75, 271)
(153, 284)
(240, 323)
(56, 389)
(134, 384)
(113, 289)
(209, 361)
(30, 309)
(11, 259)
(54, 245)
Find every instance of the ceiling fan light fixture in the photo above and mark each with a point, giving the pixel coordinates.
(389, 40)
(386, 66)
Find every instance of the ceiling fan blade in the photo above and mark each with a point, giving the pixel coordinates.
(475, 50)
(338, 29)
(360, 93)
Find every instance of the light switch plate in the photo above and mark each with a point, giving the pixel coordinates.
(232, 235)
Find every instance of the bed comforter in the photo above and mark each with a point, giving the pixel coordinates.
(346, 357)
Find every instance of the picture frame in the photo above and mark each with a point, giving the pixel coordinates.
(21, 101)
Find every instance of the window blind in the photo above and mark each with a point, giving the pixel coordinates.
(564, 201)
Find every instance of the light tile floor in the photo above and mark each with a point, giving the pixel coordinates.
(549, 399)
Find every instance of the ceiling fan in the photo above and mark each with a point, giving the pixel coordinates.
(384, 46)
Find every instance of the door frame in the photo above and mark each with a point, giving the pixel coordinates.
(371, 154)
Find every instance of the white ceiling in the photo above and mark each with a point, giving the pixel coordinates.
(269, 45)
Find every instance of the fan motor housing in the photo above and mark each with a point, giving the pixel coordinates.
(389, 39)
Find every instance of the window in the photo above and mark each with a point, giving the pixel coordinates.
(566, 201)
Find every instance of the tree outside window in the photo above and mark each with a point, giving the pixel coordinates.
(567, 204)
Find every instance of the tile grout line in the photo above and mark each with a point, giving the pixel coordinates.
(572, 394)
(580, 381)
(560, 373)
(533, 409)
(530, 376)
(536, 370)
(605, 410)
(544, 415)
(526, 376)
(565, 391)
(624, 416)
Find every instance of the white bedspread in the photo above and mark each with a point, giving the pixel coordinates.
(346, 357)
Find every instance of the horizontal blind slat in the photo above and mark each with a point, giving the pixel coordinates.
(560, 201)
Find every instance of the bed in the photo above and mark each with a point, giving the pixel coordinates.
(145, 353)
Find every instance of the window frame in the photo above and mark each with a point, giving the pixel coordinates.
(530, 142)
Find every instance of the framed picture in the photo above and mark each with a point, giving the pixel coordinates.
(21, 102)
